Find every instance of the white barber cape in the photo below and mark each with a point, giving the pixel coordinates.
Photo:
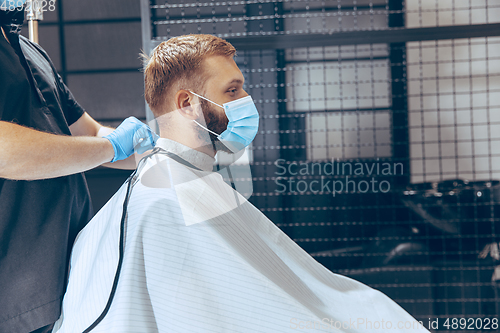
(198, 257)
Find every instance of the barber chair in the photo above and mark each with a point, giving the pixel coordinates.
(450, 221)
(461, 217)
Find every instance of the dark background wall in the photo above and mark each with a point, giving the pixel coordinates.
(95, 46)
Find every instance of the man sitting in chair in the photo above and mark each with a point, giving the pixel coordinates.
(178, 250)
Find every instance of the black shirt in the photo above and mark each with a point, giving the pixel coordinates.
(39, 220)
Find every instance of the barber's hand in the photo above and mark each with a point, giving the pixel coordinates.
(131, 134)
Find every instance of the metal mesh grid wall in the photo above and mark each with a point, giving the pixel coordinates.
(377, 151)
(94, 46)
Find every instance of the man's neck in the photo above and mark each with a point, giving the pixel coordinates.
(199, 159)
(192, 141)
(189, 142)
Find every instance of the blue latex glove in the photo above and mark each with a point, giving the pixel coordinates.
(132, 135)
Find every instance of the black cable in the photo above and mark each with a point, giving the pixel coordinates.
(131, 180)
(120, 258)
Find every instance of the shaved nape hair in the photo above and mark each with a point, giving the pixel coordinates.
(177, 63)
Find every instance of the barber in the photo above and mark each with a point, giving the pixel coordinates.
(46, 141)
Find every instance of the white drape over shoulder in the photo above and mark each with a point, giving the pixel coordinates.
(200, 258)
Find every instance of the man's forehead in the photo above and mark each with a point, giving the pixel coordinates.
(223, 68)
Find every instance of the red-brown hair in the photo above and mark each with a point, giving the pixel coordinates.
(178, 62)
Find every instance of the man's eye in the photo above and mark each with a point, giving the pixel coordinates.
(232, 90)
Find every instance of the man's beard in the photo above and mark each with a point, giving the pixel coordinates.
(216, 122)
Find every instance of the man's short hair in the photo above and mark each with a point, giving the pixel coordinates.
(176, 63)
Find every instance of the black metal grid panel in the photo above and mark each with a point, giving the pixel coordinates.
(398, 103)
(95, 47)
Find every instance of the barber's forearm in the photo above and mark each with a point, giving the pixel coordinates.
(27, 154)
(130, 163)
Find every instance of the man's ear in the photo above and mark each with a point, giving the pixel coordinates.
(187, 104)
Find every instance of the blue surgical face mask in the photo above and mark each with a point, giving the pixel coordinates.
(243, 123)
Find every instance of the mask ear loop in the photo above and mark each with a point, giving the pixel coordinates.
(206, 128)
(210, 102)
(206, 99)
(213, 144)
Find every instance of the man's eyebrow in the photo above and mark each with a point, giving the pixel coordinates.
(236, 81)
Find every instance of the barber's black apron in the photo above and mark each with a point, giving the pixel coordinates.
(39, 220)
